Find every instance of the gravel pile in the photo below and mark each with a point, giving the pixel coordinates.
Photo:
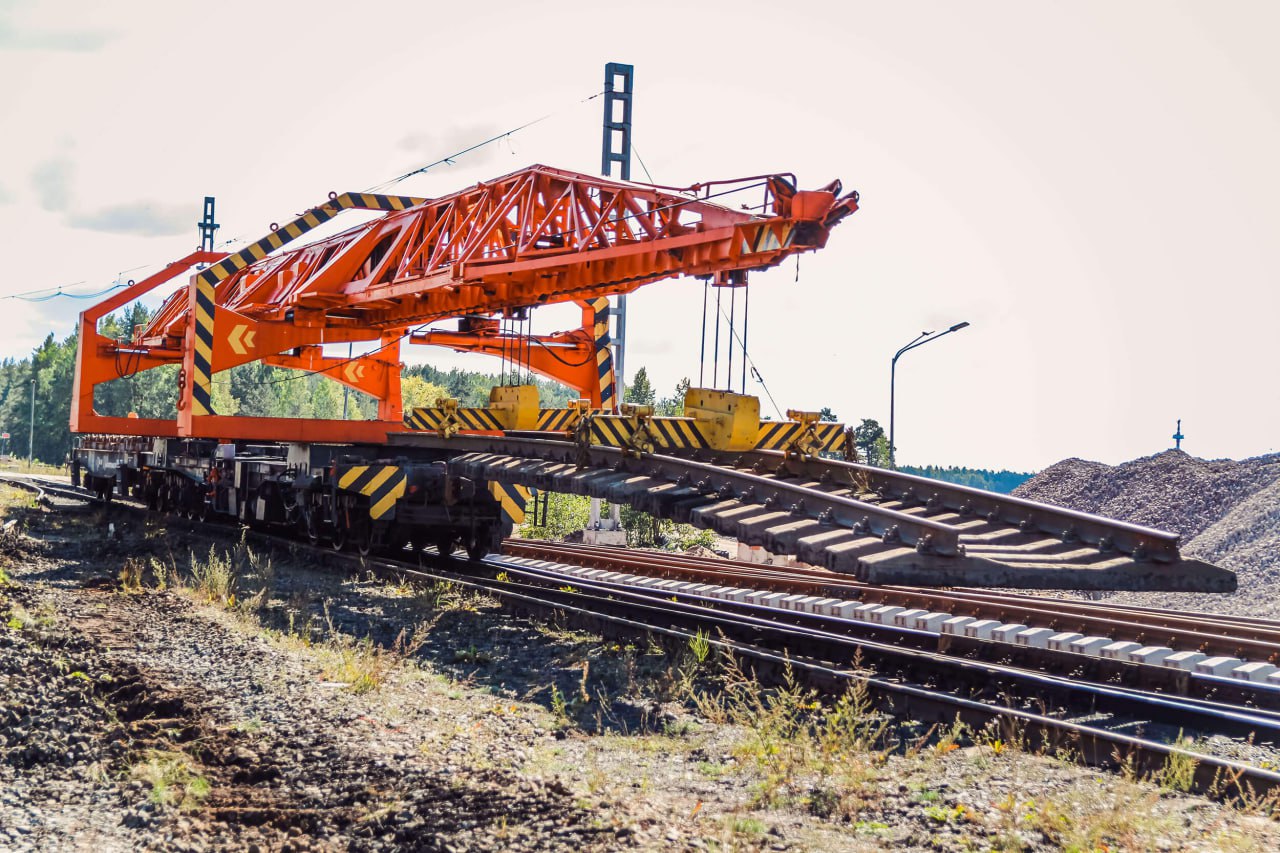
(1227, 512)
(1171, 490)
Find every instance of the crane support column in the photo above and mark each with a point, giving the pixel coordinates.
(619, 83)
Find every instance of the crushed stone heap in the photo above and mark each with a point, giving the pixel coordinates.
(1172, 490)
(1226, 511)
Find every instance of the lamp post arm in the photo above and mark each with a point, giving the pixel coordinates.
(921, 339)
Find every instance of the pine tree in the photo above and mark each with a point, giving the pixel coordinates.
(640, 391)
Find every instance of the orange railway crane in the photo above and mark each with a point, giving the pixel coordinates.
(534, 237)
(498, 249)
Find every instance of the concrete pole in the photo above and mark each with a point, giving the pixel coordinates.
(31, 440)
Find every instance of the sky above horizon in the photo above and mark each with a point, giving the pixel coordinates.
(1091, 185)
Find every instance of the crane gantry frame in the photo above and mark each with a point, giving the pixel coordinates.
(533, 237)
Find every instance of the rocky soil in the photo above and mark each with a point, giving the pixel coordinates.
(1226, 512)
(265, 703)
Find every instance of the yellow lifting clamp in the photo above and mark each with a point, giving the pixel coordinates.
(805, 442)
(448, 423)
(728, 421)
(566, 419)
(642, 438)
(515, 406)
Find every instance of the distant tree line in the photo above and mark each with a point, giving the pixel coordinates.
(873, 449)
(253, 390)
(256, 390)
(978, 478)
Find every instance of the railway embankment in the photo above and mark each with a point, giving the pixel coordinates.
(165, 690)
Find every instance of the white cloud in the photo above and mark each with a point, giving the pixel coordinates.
(52, 182)
(70, 40)
(437, 145)
(139, 218)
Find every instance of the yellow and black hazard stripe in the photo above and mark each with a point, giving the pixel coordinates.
(202, 358)
(383, 485)
(604, 354)
(437, 419)
(776, 435)
(830, 436)
(613, 430)
(201, 403)
(512, 499)
(559, 420)
(677, 433)
(479, 419)
(665, 433)
(426, 419)
(766, 239)
(303, 224)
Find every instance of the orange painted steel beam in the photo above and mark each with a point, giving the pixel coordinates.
(567, 357)
(101, 359)
(536, 236)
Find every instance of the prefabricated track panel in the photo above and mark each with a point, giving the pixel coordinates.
(828, 514)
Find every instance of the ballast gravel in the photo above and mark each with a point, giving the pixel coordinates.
(1226, 512)
(499, 734)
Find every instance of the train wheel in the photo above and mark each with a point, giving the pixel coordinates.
(477, 547)
(444, 544)
(339, 539)
(311, 526)
(363, 537)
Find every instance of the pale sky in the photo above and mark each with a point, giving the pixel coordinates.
(1092, 185)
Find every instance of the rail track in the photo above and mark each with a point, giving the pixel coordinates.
(873, 525)
(1147, 628)
(1040, 696)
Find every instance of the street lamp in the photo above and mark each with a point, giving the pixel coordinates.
(919, 341)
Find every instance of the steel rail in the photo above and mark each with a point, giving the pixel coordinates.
(1035, 612)
(834, 634)
(709, 482)
(824, 514)
(1213, 775)
(967, 501)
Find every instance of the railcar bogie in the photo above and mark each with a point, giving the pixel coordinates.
(357, 497)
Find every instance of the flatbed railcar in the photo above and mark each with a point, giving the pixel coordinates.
(351, 496)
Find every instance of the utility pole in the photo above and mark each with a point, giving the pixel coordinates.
(618, 87)
(31, 440)
(616, 148)
(207, 226)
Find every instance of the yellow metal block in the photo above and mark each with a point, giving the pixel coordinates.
(728, 421)
(515, 406)
(805, 418)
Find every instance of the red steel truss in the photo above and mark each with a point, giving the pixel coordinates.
(536, 236)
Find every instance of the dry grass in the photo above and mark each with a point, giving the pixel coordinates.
(172, 778)
(822, 755)
(359, 663)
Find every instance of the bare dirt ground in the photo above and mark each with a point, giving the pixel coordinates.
(155, 695)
